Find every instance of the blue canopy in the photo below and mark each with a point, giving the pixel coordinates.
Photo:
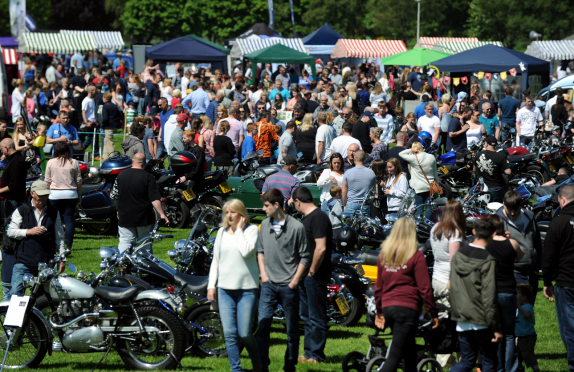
(188, 49)
(324, 35)
(492, 58)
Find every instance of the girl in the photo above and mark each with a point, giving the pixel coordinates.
(117, 96)
(18, 99)
(20, 135)
(423, 170)
(410, 126)
(30, 104)
(379, 147)
(396, 186)
(476, 130)
(167, 91)
(305, 139)
(378, 95)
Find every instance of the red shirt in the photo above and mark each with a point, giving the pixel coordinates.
(175, 101)
(407, 286)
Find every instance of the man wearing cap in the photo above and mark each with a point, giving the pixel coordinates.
(40, 235)
(284, 180)
(176, 139)
(420, 109)
(490, 165)
(489, 120)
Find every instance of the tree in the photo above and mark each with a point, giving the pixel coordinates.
(345, 16)
(146, 19)
(39, 10)
(81, 15)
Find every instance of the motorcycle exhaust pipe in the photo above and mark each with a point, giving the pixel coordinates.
(66, 325)
(91, 220)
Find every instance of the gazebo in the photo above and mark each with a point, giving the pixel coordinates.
(279, 53)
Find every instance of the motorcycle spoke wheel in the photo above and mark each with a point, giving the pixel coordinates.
(30, 348)
(211, 322)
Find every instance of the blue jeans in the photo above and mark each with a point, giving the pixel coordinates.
(67, 209)
(352, 207)
(420, 199)
(471, 342)
(196, 116)
(17, 277)
(531, 279)
(209, 162)
(160, 148)
(496, 194)
(313, 311)
(90, 141)
(505, 130)
(507, 353)
(271, 296)
(237, 309)
(325, 207)
(564, 298)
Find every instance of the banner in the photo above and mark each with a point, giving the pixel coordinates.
(480, 75)
(464, 80)
(456, 81)
(503, 75)
(487, 76)
(18, 19)
(271, 18)
(292, 14)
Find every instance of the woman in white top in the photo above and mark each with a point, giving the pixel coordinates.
(378, 95)
(330, 177)
(430, 123)
(235, 273)
(65, 182)
(167, 91)
(396, 186)
(446, 239)
(476, 130)
(117, 96)
(17, 98)
(420, 162)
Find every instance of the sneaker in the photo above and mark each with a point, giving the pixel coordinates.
(302, 359)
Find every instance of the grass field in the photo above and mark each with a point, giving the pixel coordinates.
(550, 350)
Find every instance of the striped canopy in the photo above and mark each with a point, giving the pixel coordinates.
(38, 42)
(252, 44)
(454, 47)
(354, 48)
(429, 42)
(10, 56)
(551, 49)
(103, 39)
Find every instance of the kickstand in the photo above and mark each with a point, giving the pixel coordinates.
(170, 353)
(104, 357)
(7, 348)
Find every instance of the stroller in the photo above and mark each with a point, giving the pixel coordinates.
(442, 340)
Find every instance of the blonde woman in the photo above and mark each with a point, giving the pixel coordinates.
(423, 166)
(352, 90)
(305, 138)
(404, 76)
(234, 273)
(167, 91)
(402, 286)
(20, 134)
(18, 99)
(378, 95)
(208, 133)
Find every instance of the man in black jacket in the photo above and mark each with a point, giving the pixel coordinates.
(111, 119)
(196, 175)
(558, 266)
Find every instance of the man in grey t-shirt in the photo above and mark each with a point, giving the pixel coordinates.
(357, 182)
(286, 143)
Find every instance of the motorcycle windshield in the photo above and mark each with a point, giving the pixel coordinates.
(406, 203)
(523, 191)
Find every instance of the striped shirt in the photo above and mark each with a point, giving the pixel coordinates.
(282, 181)
(386, 123)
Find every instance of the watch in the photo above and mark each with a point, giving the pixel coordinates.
(311, 273)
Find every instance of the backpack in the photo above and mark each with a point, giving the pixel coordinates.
(9, 245)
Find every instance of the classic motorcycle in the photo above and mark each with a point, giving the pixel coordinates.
(140, 324)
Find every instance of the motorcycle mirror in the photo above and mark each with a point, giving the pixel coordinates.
(92, 275)
(72, 267)
(42, 266)
(81, 275)
(299, 154)
(106, 252)
(512, 130)
(28, 280)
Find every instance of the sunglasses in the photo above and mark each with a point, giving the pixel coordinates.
(343, 114)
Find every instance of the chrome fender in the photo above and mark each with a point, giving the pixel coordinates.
(39, 314)
(157, 295)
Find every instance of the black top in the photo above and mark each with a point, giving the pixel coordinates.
(407, 96)
(317, 225)
(224, 151)
(505, 255)
(412, 132)
(136, 191)
(14, 176)
(559, 115)
(394, 153)
(458, 142)
(312, 105)
(111, 116)
(561, 178)
(78, 81)
(558, 257)
(306, 143)
(197, 173)
(348, 165)
(491, 165)
(362, 131)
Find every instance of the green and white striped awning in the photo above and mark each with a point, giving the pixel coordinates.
(454, 47)
(38, 42)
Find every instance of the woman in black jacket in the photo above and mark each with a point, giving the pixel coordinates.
(224, 149)
(559, 113)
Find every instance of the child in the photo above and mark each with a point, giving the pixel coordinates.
(249, 143)
(335, 208)
(130, 113)
(525, 332)
(40, 131)
(556, 136)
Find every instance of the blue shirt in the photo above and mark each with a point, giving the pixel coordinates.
(148, 135)
(420, 110)
(199, 101)
(359, 179)
(525, 327)
(163, 117)
(508, 105)
(364, 97)
(211, 111)
(458, 142)
(284, 92)
(57, 130)
(304, 83)
(80, 60)
(415, 79)
(247, 146)
(490, 123)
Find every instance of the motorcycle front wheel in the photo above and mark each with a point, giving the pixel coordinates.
(353, 316)
(176, 211)
(30, 348)
(210, 321)
(155, 355)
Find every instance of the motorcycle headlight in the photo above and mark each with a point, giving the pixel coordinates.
(28, 280)
(172, 254)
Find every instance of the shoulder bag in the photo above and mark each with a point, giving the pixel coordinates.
(434, 186)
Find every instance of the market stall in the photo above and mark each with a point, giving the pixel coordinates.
(45, 42)
(320, 43)
(259, 29)
(552, 49)
(104, 40)
(454, 47)
(279, 53)
(429, 42)
(254, 43)
(414, 57)
(355, 48)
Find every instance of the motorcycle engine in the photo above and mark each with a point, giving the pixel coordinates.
(70, 310)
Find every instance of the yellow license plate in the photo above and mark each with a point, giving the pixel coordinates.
(225, 188)
(342, 303)
(188, 194)
(443, 169)
(552, 167)
(360, 270)
(569, 158)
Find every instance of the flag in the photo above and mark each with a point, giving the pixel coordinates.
(18, 19)
(480, 75)
(464, 80)
(446, 80)
(513, 71)
(292, 14)
(456, 81)
(503, 75)
(271, 19)
(487, 76)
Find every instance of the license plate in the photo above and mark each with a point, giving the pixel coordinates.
(443, 169)
(569, 158)
(188, 194)
(225, 188)
(552, 167)
(342, 303)
(360, 270)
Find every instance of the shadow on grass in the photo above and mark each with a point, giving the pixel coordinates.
(343, 333)
(560, 356)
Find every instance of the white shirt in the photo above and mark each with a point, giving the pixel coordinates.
(551, 102)
(561, 73)
(473, 136)
(17, 101)
(342, 143)
(256, 96)
(440, 250)
(325, 182)
(277, 226)
(168, 128)
(184, 84)
(15, 232)
(428, 124)
(528, 120)
(89, 106)
(325, 134)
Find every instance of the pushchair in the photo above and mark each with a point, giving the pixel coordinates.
(442, 340)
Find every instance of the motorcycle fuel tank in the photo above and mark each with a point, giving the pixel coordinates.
(66, 288)
(97, 205)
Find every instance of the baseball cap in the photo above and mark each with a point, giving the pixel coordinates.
(288, 160)
(182, 117)
(368, 114)
(425, 98)
(461, 96)
(491, 140)
(131, 103)
(40, 187)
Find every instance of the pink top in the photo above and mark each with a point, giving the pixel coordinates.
(31, 107)
(235, 130)
(63, 177)
(392, 81)
(208, 135)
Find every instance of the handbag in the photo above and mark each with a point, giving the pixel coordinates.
(434, 186)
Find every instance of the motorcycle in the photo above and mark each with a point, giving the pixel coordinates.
(140, 324)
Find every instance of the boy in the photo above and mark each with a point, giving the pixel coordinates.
(525, 332)
(556, 135)
(335, 210)
(40, 131)
(249, 143)
(130, 113)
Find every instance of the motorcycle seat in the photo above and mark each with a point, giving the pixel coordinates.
(370, 256)
(335, 258)
(519, 158)
(196, 285)
(209, 175)
(116, 295)
(88, 188)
